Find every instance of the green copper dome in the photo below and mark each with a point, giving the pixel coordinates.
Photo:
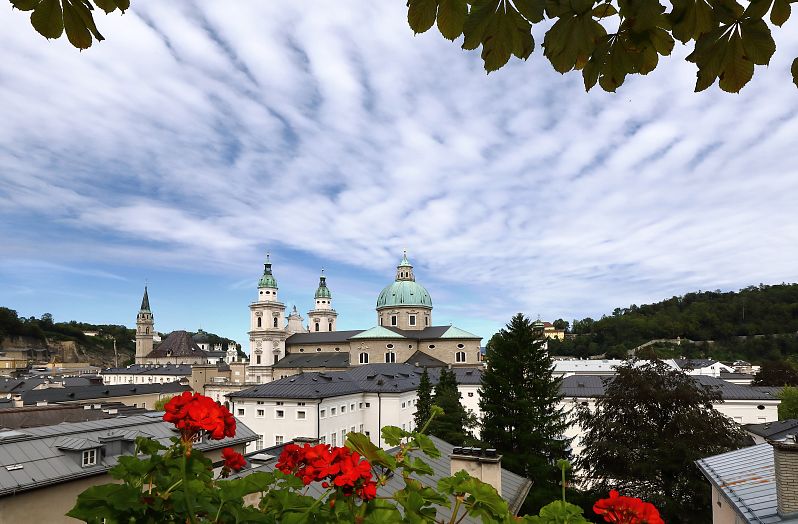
(267, 280)
(404, 293)
(323, 291)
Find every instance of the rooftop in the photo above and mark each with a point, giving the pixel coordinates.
(381, 332)
(151, 369)
(177, 344)
(76, 393)
(774, 430)
(746, 477)
(46, 455)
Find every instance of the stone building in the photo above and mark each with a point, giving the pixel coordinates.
(404, 330)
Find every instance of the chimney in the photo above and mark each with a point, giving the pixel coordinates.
(785, 459)
(16, 400)
(483, 464)
(301, 441)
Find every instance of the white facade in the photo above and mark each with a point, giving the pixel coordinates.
(276, 421)
(138, 378)
(713, 370)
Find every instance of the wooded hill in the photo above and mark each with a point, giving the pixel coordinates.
(98, 349)
(754, 324)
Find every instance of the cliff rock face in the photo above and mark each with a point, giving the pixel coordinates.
(69, 351)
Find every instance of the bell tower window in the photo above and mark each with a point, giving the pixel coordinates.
(317, 326)
(259, 322)
(412, 320)
(329, 326)
(275, 321)
(393, 320)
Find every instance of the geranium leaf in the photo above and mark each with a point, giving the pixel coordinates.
(48, 19)
(452, 15)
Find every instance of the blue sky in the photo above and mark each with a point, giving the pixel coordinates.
(198, 136)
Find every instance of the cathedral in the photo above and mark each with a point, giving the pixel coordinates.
(404, 332)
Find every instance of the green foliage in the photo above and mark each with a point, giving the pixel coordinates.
(610, 39)
(520, 404)
(424, 403)
(51, 18)
(455, 423)
(776, 373)
(736, 324)
(788, 409)
(645, 433)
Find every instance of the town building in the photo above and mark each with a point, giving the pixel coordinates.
(136, 395)
(775, 430)
(404, 328)
(703, 366)
(754, 485)
(147, 374)
(327, 405)
(43, 469)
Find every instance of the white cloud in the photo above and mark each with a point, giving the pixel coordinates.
(201, 132)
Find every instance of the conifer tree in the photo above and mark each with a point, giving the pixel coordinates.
(454, 426)
(520, 399)
(424, 402)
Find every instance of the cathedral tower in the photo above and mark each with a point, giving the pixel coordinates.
(267, 325)
(145, 324)
(405, 304)
(322, 317)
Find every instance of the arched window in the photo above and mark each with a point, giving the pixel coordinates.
(460, 356)
(147, 331)
(364, 358)
(317, 326)
(329, 326)
(259, 322)
(390, 357)
(275, 321)
(426, 321)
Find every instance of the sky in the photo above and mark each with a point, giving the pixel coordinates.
(201, 135)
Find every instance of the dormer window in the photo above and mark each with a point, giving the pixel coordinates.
(89, 458)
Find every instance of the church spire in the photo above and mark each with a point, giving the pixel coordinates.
(404, 271)
(323, 291)
(267, 280)
(145, 301)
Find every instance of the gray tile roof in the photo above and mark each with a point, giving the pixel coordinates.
(314, 360)
(421, 359)
(178, 344)
(51, 454)
(694, 363)
(321, 338)
(151, 369)
(774, 430)
(428, 333)
(71, 394)
(514, 487)
(594, 386)
(747, 479)
(384, 378)
(32, 416)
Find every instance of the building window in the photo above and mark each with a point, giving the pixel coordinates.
(317, 326)
(323, 439)
(431, 346)
(240, 412)
(460, 346)
(259, 442)
(89, 457)
(352, 429)
(333, 439)
(300, 415)
(343, 410)
(351, 408)
(426, 321)
(275, 359)
(280, 403)
(389, 346)
(393, 320)
(275, 321)
(279, 413)
(364, 358)
(361, 428)
(380, 320)
(368, 404)
(278, 439)
(360, 405)
(259, 322)
(332, 412)
(329, 326)
(343, 435)
(404, 404)
(412, 320)
(390, 357)
(300, 403)
(323, 413)
(260, 413)
(257, 359)
(470, 394)
(460, 356)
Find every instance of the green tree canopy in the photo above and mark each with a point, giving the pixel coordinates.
(776, 373)
(424, 402)
(606, 40)
(455, 424)
(789, 403)
(519, 398)
(645, 433)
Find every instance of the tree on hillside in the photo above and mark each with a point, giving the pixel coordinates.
(455, 424)
(776, 373)
(645, 433)
(605, 40)
(519, 398)
(788, 408)
(424, 402)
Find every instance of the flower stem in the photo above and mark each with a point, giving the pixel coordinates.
(189, 497)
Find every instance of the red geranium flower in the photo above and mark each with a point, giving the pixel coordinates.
(333, 467)
(195, 413)
(627, 510)
(233, 460)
